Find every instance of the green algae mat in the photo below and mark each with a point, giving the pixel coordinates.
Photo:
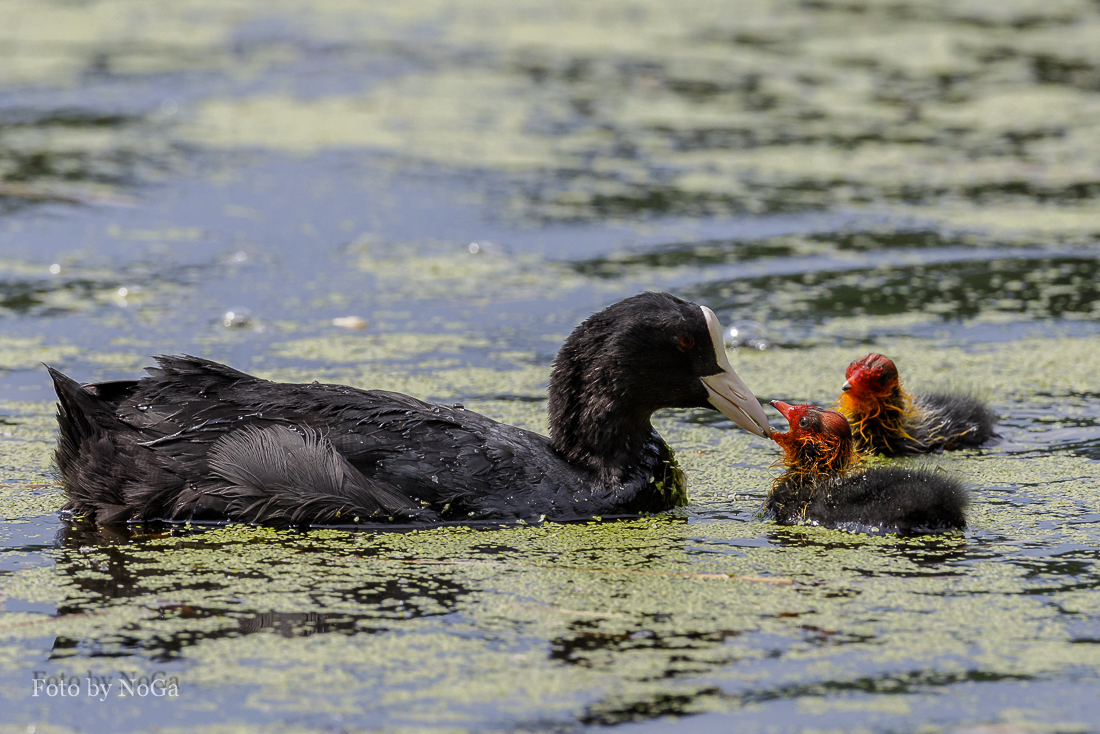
(427, 197)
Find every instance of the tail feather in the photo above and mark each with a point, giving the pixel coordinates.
(74, 427)
(81, 417)
(76, 413)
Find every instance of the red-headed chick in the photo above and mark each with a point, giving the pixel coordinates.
(823, 484)
(888, 420)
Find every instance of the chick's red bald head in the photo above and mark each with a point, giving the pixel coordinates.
(808, 421)
(819, 442)
(874, 374)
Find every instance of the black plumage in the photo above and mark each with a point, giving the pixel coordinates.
(888, 420)
(197, 440)
(820, 486)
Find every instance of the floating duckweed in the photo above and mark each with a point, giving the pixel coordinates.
(935, 168)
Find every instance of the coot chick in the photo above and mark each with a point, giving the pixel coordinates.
(197, 440)
(888, 420)
(823, 487)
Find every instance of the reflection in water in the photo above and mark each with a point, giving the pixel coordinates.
(686, 654)
(589, 647)
(808, 280)
(43, 295)
(49, 157)
(34, 296)
(657, 706)
(110, 566)
(725, 252)
(290, 624)
(1054, 424)
(933, 552)
(699, 699)
(1038, 288)
(982, 112)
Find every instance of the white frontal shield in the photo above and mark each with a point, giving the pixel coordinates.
(727, 393)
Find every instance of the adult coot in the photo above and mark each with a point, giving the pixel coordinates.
(197, 440)
(888, 420)
(820, 486)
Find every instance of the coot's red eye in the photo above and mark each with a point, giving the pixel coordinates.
(687, 341)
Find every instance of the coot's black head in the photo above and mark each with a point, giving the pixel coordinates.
(644, 353)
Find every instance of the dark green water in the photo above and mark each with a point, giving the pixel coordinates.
(226, 178)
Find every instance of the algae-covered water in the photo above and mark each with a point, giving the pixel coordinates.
(461, 184)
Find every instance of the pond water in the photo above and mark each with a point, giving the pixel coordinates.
(470, 180)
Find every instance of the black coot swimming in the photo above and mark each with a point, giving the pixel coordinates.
(197, 440)
(888, 420)
(821, 487)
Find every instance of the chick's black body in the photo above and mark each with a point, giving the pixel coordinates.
(887, 500)
(199, 440)
(822, 487)
(940, 422)
(954, 421)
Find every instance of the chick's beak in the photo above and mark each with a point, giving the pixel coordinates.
(783, 408)
(725, 390)
(846, 386)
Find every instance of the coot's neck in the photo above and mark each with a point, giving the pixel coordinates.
(592, 424)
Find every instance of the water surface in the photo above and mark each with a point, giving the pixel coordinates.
(471, 180)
